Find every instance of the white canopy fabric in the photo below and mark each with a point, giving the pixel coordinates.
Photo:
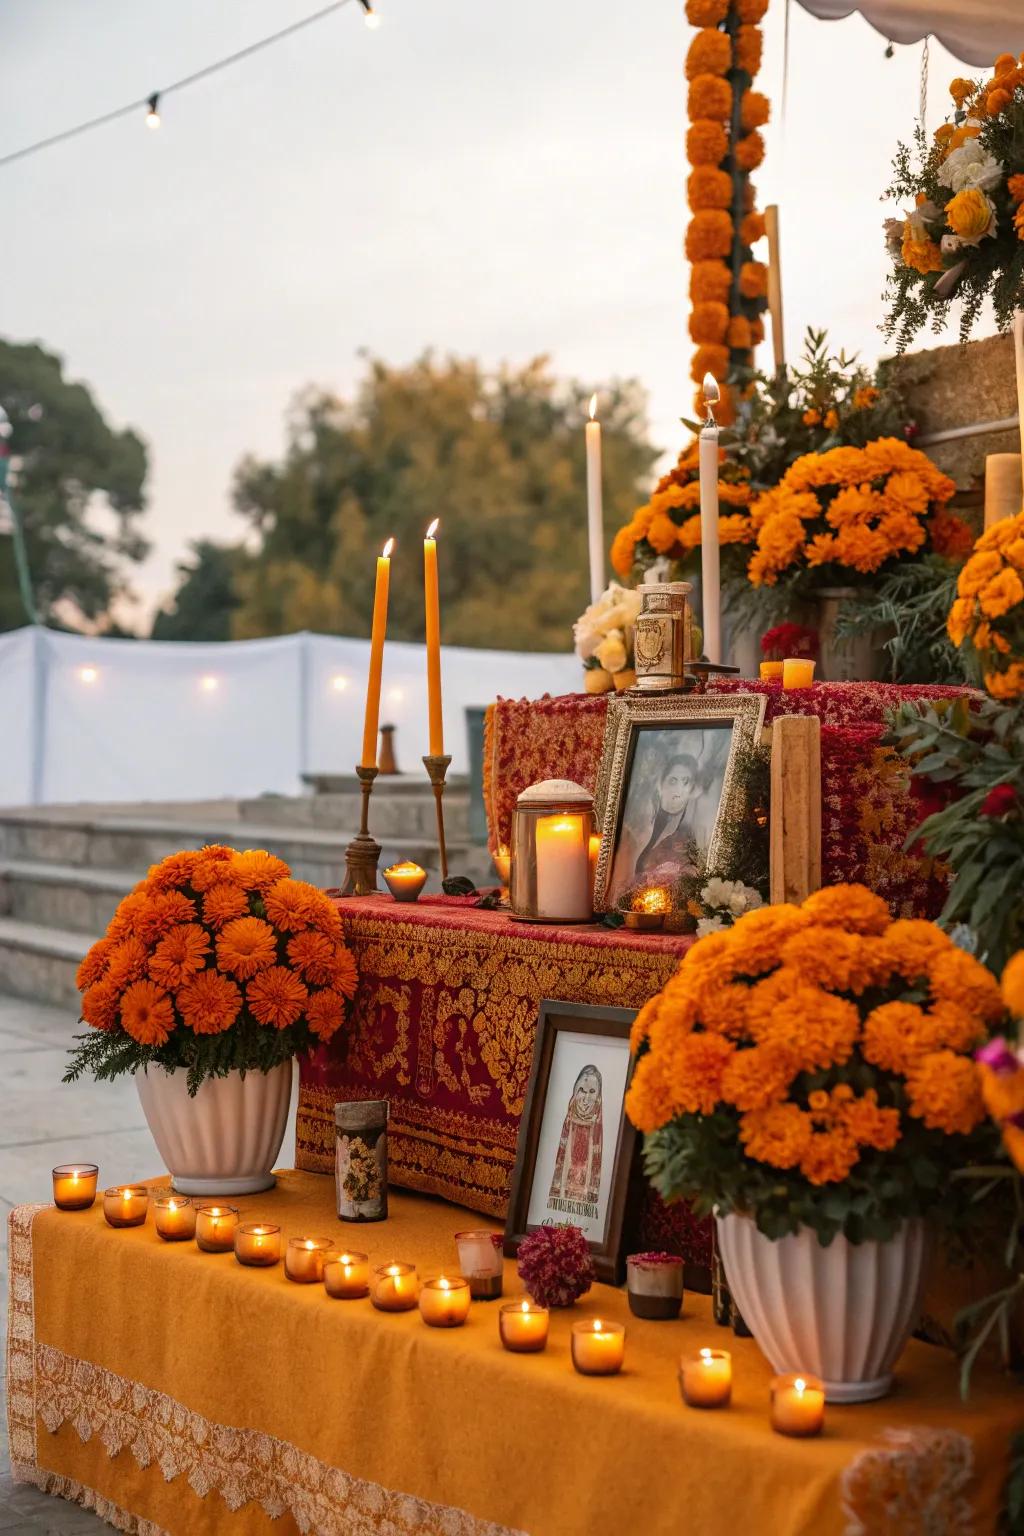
(976, 31)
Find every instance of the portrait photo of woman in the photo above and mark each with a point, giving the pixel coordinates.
(576, 1181)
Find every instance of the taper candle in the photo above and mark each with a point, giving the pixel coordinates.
(433, 632)
(710, 575)
(595, 503)
(377, 632)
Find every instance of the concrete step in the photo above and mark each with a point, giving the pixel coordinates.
(61, 896)
(402, 809)
(40, 962)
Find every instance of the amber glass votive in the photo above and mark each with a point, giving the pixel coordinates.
(797, 672)
(74, 1186)
(258, 1244)
(798, 1405)
(705, 1379)
(523, 1326)
(175, 1218)
(654, 1284)
(444, 1303)
(771, 669)
(395, 1287)
(598, 1347)
(405, 880)
(304, 1259)
(346, 1275)
(215, 1228)
(126, 1205)
(480, 1261)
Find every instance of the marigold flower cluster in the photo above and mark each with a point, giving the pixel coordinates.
(723, 58)
(670, 522)
(1002, 1067)
(826, 1030)
(988, 610)
(854, 507)
(214, 936)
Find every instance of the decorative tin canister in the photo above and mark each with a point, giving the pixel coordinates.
(661, 637)
(361, 1159)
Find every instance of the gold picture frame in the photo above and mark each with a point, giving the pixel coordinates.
(629, 717)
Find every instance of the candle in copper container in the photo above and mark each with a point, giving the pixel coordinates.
(798, 1405)
(175, 1218)
(598, 1347)
(405, 881)
(215, 1228)
(258, 1244)
(444, 1303)
(523, 1326)
(346, 1275)
(304, 1259)
(480, 1260)
(395, 1287)
(74, 1186)
(654, 1284)
(126, 1205)
(705, 1379)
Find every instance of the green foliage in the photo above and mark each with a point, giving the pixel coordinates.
(970, 748)
(66, 458)
(911, 603)
(993, 1315)
(247, 1047)
(206, 598)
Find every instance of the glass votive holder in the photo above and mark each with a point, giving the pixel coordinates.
(74, 1186)
(444, 1303)
(346, 1275)
(405, 880)
(598, 1347)
(215, 1228)
(771, 669)
(126, 1205)
(523, 1326)
(258, 1244)
(395, 1287)
(481, 1262)
(797, 672)
(654, 1285)
(798, 1404)
(304, 1259)
(175, 1218)
(705, 1379)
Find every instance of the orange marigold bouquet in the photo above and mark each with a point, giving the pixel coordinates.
(814, 1066)
(668, 526)
(217, 961)
(989, 609)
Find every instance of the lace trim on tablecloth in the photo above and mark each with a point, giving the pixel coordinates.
(913, 1483)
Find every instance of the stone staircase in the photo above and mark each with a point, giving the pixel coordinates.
(63, 869)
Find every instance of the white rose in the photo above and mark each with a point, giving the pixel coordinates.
(611, 653)
(706, 925)
(970, 166)
(716, 893)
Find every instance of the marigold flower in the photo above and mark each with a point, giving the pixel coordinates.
(127, 961)
(738, 333)
(179, 955)
(709, 53)
(100, 1004)
(750, 10)
(93, 965)
(896, 1036)
(748, 49)
(752, 228)
(756, 332)
(709, 323)
(961, 90)
(848, 906)
(313, 954)
(706, 13)
(1008, 684)
(288, 906)
(246, 945)
(709, 235)
(868, 1124)
(748, 151)
(755, 110)
(147, 1013)
(345, 977)
(922, 256)
(778, 1135)
(623, 552)
(811, 417)
(950, 536)
(831, 419)
(257, 870)
(648, 1103)
(997, 101)
(957, 977)
(222, 902)
(1015, 187)
(959, 619)
(325, 1012)
(847, 962)
(753, 279)
(161, 913)
(1012, 984)
(828, 1157)
(710, 359)
(707, 143)
(708, 188)
(175, 870)
(210, 1003)
(709, 98)
(759, 1076)
(969, 214)
(1001, 593)
(909, 945)
(944, 1091)
(276, 997)
(821, 1027)
(210, 866)
(865, 397)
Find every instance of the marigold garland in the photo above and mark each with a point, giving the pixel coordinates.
(988, 612)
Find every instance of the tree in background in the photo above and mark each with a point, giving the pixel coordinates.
(206, 598)
(498, 457)
(64, 455)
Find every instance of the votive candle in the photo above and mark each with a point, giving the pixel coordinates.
(503, 864)
(770, 669)
(74, 1186)
(523, 1326)
(126, 1205)
(598, 1347)
(798, 1405)
(444, 1303)
(405, 881)
(705, 1379)
(797, 672)
(654, 1284)
(346, 1275)
(395, 1287)
(175, 1218)
(258, 1244)
(215, 1228)
(304, 1259)
(480, 1260)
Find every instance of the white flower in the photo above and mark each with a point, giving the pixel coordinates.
(614, 612)
(950, 244)
(706, 925)
(716, 893)
(970, 166)
(894, 235)
(730, 896)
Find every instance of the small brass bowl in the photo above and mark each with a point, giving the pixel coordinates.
(408, 887)
(645, 922)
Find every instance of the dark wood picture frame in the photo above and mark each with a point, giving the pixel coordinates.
(553, 1017)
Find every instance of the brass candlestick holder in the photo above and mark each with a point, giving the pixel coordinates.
(436, 768)
(363, 852)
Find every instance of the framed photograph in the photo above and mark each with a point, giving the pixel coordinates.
(667, 784)
(576, 1147)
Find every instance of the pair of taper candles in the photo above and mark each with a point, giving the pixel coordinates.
(433, 636)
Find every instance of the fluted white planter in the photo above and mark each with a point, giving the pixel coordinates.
(843, 1312)
(226, 1140)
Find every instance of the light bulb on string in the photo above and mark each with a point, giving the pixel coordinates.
(370, 16)
(153, 113)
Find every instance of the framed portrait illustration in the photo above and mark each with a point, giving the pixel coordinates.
(576, 1147)
(667, 785)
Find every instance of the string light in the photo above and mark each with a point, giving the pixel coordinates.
(208, 683)
(396, 695)
(88, 675)
(370, 16)
(153, 112)
(339, 683)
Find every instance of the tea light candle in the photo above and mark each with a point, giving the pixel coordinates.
(405, 880)
(654, 1283)
(798, 1405)
(304, 1259)
(74, 1186)
(706, 1379)
(175, 1218)
(523, 1326)
(797, 672)
(215, 1228)
(598, 1347)
(258, 1245)
(346, 1275)
(444, 1303)
(503, 864)
(770, 669)
(395, 1287)
(480, 1260)
(126, 1205)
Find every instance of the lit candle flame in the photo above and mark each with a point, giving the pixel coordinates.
(593, 406)
(394, 1270)
(310, 1243)
(705, 1355)
(445, 1285)
(386, 551)
(800, 1386)
(172, 1205)
(126, 1194)
(597, 1325)
(712, 393)
(525, 1306)
(432, 530)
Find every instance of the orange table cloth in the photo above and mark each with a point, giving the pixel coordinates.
(183, 1395)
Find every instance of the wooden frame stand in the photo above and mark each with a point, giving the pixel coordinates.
(795, 848)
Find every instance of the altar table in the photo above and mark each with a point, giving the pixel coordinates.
(183, 1395)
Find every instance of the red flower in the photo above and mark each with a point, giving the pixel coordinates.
(789, 640)
(1000, 801)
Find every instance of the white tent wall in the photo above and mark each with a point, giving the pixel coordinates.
(130, 720)
(975, 31)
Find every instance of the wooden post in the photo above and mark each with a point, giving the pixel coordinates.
(771, 223)
(1002, 487)
(796, 808)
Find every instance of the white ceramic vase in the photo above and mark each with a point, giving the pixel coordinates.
(226, 1140)
(843, 1312)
